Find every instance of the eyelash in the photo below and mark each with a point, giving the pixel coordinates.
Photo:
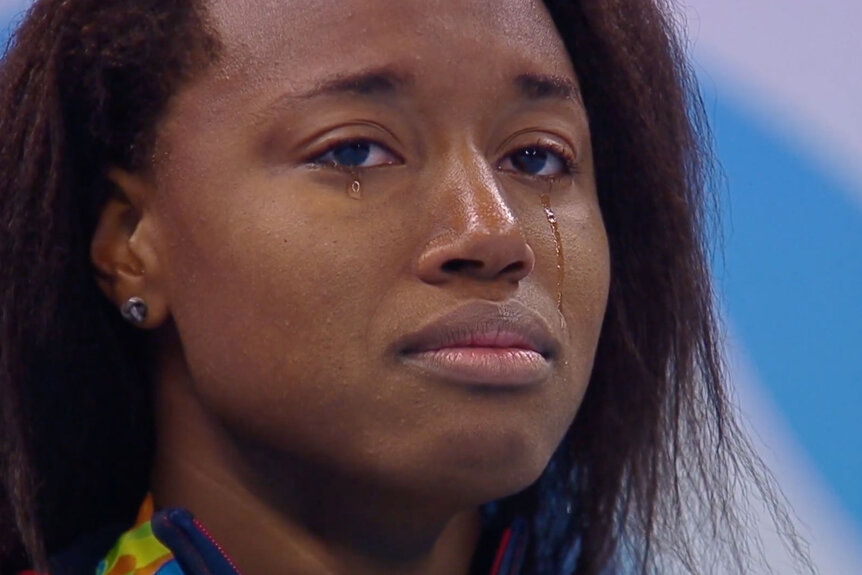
(566, 158)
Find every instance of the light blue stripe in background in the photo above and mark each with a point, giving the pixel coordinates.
(792, 284)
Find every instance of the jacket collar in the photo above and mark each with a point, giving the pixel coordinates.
(173, 542)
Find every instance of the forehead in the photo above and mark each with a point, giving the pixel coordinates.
(308, 36)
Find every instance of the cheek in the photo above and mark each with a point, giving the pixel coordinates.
(584, 288)
(587, 271)
(272, 308)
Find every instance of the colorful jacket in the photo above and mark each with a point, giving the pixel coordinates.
(173, 542)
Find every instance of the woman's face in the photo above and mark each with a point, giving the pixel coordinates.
(350, 218)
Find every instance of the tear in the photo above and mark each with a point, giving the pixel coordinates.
(354, 190)
(558, 245)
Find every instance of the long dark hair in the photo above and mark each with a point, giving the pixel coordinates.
(649, 470)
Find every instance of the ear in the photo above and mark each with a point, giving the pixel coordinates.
(123, 249)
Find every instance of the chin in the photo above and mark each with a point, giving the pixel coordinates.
(481, 469)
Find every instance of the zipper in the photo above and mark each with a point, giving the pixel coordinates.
(191, 544)
(217, 545)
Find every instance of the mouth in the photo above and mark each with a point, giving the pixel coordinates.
(484, 344)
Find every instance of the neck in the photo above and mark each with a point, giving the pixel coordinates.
(275, 513)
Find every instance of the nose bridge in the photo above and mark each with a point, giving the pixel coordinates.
(480, 206)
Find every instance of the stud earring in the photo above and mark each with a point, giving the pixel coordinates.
(134, 311)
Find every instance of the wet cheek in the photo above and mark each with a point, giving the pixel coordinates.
(585, 290)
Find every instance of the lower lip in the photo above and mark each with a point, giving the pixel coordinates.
(504, 367)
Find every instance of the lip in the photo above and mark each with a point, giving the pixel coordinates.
(484, 344)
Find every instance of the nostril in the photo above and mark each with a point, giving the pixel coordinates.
(462, 266)
(514, 268)
(506, 257)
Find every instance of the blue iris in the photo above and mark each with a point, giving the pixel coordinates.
(530, 160)
(352, 154)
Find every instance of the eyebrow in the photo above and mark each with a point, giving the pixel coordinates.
(375, 82)
(388, 81)
(541, 87)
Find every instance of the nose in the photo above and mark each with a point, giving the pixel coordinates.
(484, 240)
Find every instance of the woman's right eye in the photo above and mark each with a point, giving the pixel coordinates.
(356, 155)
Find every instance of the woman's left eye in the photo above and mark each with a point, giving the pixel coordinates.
(536, 161)
(357, 154)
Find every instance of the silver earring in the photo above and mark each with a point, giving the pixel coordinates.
(135, 311)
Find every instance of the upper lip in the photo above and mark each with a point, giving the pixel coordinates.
(487, 325)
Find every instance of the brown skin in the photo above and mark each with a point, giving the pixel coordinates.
(287, 420)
